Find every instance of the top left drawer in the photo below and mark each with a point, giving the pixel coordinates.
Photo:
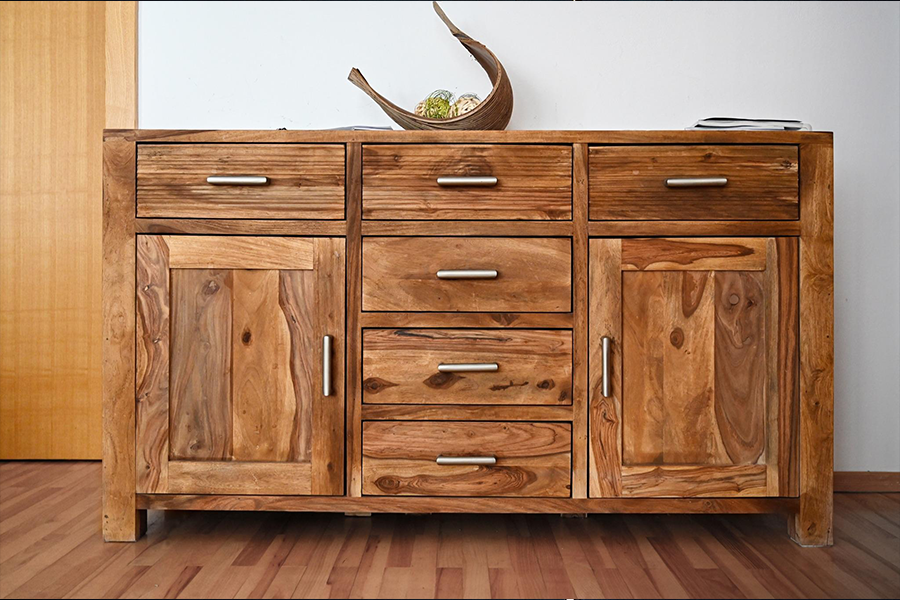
(240, 181)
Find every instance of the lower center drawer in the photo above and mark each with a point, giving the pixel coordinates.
(467, 366)
(463, 458)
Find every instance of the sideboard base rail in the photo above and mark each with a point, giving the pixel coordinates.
(393, 504)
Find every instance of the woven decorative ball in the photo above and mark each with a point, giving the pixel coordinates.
(464, 104)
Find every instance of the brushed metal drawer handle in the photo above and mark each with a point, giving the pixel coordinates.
(468, 367)
(467, 274)
(605, 386)
(474, 181)
(237, 180)
(326, 365)
(466, 460)
(692, 182)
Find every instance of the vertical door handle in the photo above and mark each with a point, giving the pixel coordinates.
(326, 365)
(606, 388)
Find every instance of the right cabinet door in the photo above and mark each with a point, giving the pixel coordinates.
(694, 365)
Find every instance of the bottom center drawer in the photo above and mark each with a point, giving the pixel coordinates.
(464, 458)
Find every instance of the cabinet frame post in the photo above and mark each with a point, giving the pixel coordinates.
(122, 520)
(812, 525)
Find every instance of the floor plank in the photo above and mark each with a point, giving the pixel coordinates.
(50, 546)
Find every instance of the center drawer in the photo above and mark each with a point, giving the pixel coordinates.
(455, 458)
(467, 366)
(435, 274)
(467, 182)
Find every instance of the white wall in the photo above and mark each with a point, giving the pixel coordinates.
(585, 65)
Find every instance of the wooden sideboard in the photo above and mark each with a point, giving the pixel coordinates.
(514, 321)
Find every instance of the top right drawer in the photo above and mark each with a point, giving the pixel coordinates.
(687, 183)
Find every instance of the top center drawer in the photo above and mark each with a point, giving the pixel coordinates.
(467, 182)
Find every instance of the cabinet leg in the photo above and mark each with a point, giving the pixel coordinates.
(127, 527)
(811, 526)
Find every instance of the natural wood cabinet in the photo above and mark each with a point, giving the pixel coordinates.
(232, 365)
(561, 322)
(694, 367)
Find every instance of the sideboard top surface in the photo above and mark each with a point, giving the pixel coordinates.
(692, 136)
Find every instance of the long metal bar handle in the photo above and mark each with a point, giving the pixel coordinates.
(466, 460)
(237, 180)
(326, 365)
(606, 388)
(467, 274)
(692, 182)
(468, 367)
(473, 181)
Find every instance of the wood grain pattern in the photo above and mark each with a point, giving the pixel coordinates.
(400, 366)
(533, 459)
(628, 182)
(605, 320)
(694, 254)
(787, 369)
(493, 113)
(813, 524)
(231, 477)
(328, 411)
(668, 340)
(461, 319)
(152, 365)
(432, 412)
(740, 363)
(121, 64)
(469, 228)
(305, 181)
(272, 376)
(279, 227)
(580, 333)
(867, 481)
(122, 521)
(708, 367)
(399, 274)
(694, 481)
(219, 252)
(191, 554)
(458, 505)
(533, 182)
(742, 261)
(354, 313)
(243, 383)
(523, 136)
(200, 394)
(693, 228)
(52, 110)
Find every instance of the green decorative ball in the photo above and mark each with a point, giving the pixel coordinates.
(437, 105)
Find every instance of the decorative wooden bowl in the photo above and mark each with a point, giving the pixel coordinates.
(493, 113)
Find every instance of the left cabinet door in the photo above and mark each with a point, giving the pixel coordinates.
(240, 365)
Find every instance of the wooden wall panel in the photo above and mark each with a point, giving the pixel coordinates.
(59, 65)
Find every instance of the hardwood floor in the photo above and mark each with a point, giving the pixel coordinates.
(50, 546)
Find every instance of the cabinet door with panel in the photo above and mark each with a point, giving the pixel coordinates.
(693, 367)
(240, 365)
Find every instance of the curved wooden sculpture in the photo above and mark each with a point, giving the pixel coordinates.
(493, 113)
